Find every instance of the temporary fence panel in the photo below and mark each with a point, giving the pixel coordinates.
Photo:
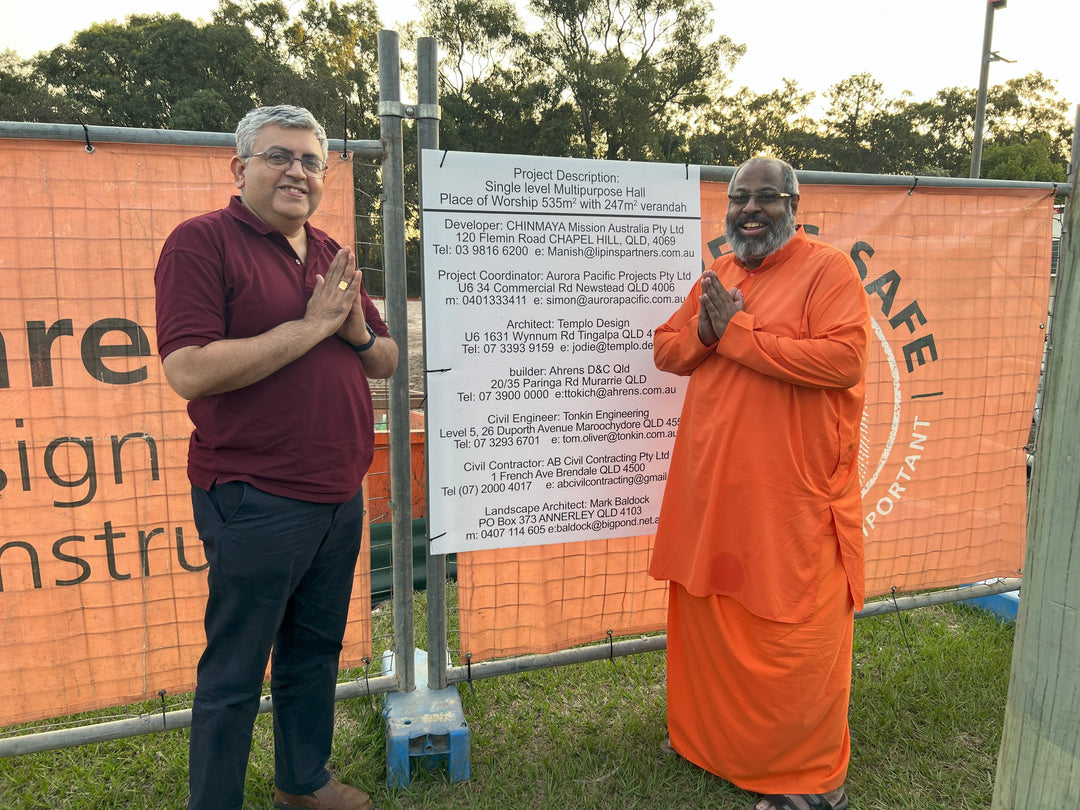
(101, 583)
(958, 284)
(102, 580)
(957, 279)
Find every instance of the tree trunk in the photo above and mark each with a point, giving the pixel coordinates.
(1039, 761)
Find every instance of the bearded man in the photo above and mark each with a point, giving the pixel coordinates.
(759, 535)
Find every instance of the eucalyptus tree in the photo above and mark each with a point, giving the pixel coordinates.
(324, 57)
(1027, 107)
(864, 130)
(25, 95)
(745, 124)
(154, 70)
(164, 71)
(1027, 131)
(494, 96)
(949, 118)
(632, 71)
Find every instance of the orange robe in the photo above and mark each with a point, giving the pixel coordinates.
(761, 504)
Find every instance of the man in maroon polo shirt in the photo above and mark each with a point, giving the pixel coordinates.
(265, 328)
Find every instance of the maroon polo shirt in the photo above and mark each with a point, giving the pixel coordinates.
(304, 432)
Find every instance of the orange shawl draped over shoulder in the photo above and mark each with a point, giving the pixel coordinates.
(765, 464)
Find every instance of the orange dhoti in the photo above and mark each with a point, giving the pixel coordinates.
(763, 704)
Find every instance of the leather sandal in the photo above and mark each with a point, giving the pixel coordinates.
(815, 801)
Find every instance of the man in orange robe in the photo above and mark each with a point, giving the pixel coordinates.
(760, 528)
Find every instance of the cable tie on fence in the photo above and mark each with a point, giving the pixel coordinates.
(345, 135)
(445, 152)
(900, 618)
(367, 683)
(468, 671)
(687, 165)
(436, 537)
(1054, 192)
(611, 646)
(912, 189)
(86, 131)
(164, 722)
(437, 370)
(366, 661)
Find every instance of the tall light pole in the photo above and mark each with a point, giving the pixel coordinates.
(988, 56)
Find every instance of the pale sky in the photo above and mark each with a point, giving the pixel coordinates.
(918, 45)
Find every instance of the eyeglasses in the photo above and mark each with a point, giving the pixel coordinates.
(762, 197)
(283, 161)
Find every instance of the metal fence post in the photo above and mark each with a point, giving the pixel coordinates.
(427, 83)
(390, 115)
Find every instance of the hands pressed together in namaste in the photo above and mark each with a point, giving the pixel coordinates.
(718, 306)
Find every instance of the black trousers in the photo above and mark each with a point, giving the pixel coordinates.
(280, 578)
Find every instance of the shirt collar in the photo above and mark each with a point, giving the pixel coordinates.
(245, 215)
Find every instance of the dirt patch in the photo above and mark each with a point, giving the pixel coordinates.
(416, 345)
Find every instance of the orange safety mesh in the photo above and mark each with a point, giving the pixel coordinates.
(101, 587)
(958, 284)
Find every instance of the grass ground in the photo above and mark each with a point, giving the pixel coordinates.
(927, 710)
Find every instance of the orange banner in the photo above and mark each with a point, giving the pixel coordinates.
(102, 580)
(958, 283)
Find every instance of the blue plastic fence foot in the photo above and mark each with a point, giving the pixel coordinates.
(1003, 605)
(427, 725)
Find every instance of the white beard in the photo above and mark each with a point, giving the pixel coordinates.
(780, 233)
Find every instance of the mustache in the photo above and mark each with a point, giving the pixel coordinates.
(744, 219)
(774, 234)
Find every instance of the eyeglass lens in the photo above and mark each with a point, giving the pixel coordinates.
(283, 160)
(763, 198)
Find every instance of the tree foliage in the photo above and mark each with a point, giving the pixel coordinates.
(753, 124)
(633, 70)
(154, 71)
(25, 95)
(610, 79)
(164, 71)
(493, 94)
(324, 58)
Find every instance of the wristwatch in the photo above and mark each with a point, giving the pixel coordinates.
(365, 346)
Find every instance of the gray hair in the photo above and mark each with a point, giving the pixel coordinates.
(283, 115)
(791, 182)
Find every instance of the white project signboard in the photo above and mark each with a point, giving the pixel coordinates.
(547, 421)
